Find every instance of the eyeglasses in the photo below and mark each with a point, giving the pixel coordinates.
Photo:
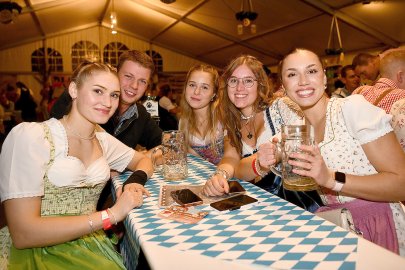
(247, 81)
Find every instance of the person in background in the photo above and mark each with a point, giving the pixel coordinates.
(26, 103)
(252, 119)
(350, 82)
(398, 121)
(46, 95)
(390, 87)
(9, 120)
(168, 111)
(357, 160)
(367, 66)
(200, 119)
(52, 173)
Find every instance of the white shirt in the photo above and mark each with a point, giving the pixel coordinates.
(26, 153)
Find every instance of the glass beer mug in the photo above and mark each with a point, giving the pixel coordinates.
(174, 156)
(292, 136)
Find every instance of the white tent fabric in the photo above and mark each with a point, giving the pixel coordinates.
(187, 32)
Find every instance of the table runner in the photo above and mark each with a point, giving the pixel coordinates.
(271, 233)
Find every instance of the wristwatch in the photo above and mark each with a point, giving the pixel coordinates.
(340, 180)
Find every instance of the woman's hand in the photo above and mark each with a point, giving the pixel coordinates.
(267, 155)
(311, 164)
(217, 185)
(130, 198)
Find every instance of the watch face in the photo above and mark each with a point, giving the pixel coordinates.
(340, 177)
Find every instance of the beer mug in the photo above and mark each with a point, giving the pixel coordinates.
(292, 136)
(173, 156)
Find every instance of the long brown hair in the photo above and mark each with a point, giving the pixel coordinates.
(188, 123)
(230, 112)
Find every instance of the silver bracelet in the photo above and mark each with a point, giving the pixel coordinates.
(222, 172)
(259, 171)
(90, 224)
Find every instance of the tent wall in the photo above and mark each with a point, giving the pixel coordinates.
(15, 63)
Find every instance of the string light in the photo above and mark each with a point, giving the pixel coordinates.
(113, 18)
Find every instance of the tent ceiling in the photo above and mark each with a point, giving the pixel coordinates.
(206, 29)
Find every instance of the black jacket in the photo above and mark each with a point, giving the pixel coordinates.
(141, 130)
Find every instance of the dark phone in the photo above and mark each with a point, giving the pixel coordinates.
(233, 203)
(186, 197)
(235, 186)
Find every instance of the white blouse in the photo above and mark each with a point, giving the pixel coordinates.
(350, 123)
(26, 152)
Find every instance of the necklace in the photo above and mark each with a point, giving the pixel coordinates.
(91, 137)
(247, 117)
(249, 135)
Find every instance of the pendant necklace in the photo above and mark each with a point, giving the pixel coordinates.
(249, 135)
(93, 134)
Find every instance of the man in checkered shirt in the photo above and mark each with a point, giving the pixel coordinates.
(390, 87)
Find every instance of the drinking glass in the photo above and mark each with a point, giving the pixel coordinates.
(173, 156)
(292, 136)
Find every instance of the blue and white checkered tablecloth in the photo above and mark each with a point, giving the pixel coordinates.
(271, 233)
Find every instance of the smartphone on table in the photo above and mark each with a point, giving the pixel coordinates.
(185, 197)
(233, 203)
(235, 186)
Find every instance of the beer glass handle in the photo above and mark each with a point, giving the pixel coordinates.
(276, 168)
(156, 157)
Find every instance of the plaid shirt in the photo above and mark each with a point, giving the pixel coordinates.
(371, 93)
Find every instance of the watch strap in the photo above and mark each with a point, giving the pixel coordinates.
(338, 186)
(340, 180)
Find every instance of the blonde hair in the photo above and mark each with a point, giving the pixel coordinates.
(188, 123)
(230, 112)
(86, 69)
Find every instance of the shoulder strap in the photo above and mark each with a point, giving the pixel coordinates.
(360, 89)
(273, 131)
(380, 97)
(48, 137)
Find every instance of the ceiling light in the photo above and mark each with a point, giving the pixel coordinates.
(246, 18)
(113, 18)
(9, 11)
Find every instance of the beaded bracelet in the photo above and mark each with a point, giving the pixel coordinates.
(257, 169)
(222, 172)
(90, 223)
(111, 213)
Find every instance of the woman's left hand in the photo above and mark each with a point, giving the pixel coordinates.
(310, 163)
(134, 187)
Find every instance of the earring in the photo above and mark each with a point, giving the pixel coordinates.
(212, 99)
